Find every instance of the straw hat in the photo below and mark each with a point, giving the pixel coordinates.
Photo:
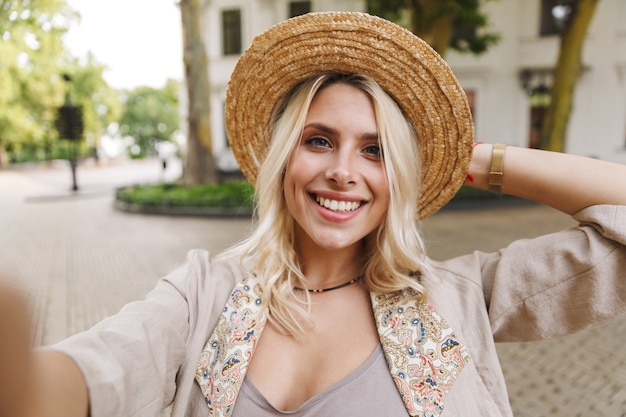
(407, 68)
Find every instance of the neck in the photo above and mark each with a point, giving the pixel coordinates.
(328, 268)
(333, 288)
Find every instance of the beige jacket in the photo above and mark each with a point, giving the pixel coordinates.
(164, 349)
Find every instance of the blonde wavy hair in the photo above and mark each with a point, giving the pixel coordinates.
(395, 255)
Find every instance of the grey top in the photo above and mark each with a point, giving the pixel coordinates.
(367, 392)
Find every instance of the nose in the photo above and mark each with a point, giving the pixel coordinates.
(342, 169)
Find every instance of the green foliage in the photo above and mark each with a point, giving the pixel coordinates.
(52, 150)
(233, 194)
(32, 64)
(466, 17)
(389, 9)
(150, 115)
(100, 103)
(30, 86)
(469, 22)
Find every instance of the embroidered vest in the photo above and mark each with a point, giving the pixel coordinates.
(423, 354)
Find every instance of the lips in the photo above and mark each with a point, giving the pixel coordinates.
(338, 206)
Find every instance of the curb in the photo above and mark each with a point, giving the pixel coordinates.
(244, 212)
(225, 212)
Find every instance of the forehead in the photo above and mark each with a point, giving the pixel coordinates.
(341, 96)
(343, 104)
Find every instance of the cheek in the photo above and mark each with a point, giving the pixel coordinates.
(301, 169)
(377, 183)
(290, 169)
(292, 181)
(290, 176)
(380, 187)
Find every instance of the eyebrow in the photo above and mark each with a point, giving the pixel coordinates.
(332, 131)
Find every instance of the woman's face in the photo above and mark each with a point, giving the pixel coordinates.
(335, 183)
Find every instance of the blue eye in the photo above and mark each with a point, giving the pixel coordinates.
(317, 141)
(373, 150)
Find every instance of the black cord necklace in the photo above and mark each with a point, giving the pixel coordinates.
(345, 284)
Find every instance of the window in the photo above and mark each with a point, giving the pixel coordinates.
(537, 83)
(296, 8)
(555, 16)
(231, 32)
(539, 101)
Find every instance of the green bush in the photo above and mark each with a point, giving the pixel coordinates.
(231, 194)
(239, 195)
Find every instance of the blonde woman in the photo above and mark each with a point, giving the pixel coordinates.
(352, 130)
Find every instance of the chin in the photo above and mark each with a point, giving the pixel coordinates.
(335, 243)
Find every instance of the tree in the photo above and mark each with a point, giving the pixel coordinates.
(99, 102)
(443, 24)
(31, 86)
(567, 71)
(199, 165)
(150, 115)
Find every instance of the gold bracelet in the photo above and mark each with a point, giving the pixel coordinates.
(497, 164)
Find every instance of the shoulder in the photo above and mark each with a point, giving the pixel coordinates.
(202, 275)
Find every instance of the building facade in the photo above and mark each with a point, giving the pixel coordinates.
(508, 86)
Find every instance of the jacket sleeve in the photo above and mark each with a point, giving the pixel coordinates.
(559, 283)
(131, 360)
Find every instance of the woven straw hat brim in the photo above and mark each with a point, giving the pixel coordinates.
(350, 42)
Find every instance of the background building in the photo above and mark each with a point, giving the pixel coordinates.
(507, 86)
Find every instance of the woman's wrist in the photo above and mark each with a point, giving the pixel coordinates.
(478, 172)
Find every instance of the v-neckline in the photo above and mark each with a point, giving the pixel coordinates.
(258, 395)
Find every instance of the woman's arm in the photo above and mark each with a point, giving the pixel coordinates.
(566, 182)
(34, 383)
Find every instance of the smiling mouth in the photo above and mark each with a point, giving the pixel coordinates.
(338, 206)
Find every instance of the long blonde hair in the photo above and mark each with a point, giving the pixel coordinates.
(394, 250)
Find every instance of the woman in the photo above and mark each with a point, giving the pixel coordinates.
(352, 130)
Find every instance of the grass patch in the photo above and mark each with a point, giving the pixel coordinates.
(230, 194)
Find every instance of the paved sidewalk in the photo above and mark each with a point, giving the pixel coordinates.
(81, 260)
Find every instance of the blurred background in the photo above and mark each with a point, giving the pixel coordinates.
(128, 67)
(112, 110)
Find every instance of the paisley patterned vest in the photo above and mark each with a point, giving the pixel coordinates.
(422, 351)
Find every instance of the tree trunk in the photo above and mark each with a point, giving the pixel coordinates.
(199, 164)
(432, 26)
(442, 34)
(566, 74)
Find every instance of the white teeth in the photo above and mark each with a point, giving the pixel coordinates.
(340, 206)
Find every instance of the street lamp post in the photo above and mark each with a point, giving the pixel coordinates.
(69, 124)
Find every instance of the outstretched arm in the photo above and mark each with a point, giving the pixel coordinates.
(34, 383)
(566, 182)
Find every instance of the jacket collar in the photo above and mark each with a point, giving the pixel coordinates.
(423, 353)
